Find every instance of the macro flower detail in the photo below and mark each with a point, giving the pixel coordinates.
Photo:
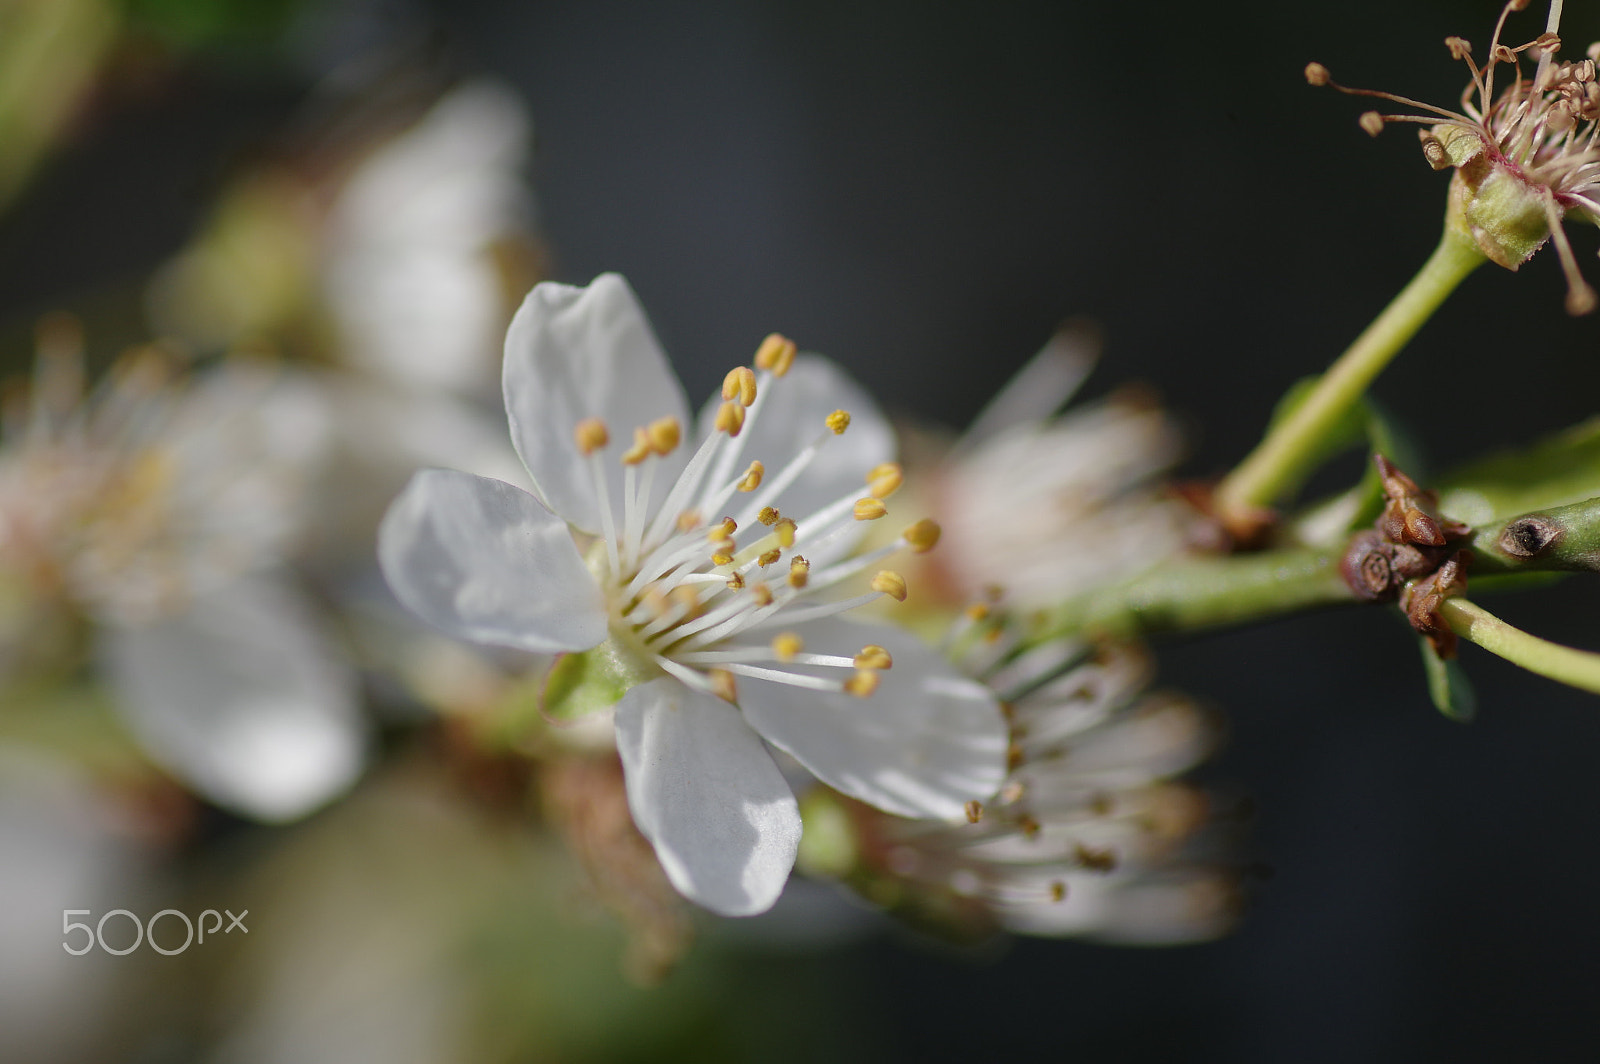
(1525, 159)
(709, 588)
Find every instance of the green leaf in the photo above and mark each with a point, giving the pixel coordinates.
(1448, 685)
(1556, 471)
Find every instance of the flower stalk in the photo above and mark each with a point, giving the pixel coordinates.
(1292, 445)
(1576, 668)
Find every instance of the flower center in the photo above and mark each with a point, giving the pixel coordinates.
(709, 602)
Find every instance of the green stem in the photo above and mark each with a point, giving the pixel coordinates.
(1206, 593)
(1291, 445)
(1578, 668)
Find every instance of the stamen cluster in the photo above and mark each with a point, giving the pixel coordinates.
(681, 588)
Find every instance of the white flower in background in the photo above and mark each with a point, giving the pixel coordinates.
(411, 267)
(1050, 507)
(706, 587)
(161, 511)
(1089, 835)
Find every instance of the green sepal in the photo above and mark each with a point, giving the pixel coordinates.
(1448, 685)
(828, 842)
(591, 680)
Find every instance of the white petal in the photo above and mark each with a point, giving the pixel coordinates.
(707, 795)
(925, 743)
(792, 415)
(241, 699)
(578, 353)
(485, 562)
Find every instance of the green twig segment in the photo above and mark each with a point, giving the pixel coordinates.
(1206, 593)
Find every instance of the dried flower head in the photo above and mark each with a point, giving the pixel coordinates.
(1525, 159)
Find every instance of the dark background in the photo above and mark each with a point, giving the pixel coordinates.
(923, 191)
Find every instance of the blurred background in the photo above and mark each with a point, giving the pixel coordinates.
(923, 192)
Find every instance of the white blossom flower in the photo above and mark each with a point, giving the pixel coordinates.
(410, 267)
(1090, 835)
(722, 629)
(161, 512)
(1048, 507)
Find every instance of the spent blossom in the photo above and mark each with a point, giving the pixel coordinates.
(704, 605)
(1525, 158)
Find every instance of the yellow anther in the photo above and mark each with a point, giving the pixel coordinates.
(726, 545)
(1317, 74)
(768, 516)
(870, 509)
(799, 572)
(769, 557)
(890, 583)
(862, 683)
(873, 656)
(752, 477)
(838, 421)
(722, 558)
(974, 811)
(640, 450)
(688, 520)
(590, 435)
(786, 645)
(723, 685)
(665, 435)
(688, 598)
(723, 529)
(977, 611)
(884, 480)
(1058, 890)
(730, 418)
(776, 354)
(922, 536)
(740, 383)
(1371, 123)
(761, 593)
(785, 530)
(735, 581)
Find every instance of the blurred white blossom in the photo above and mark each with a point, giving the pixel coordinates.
(162, 511)
(410, 266)
(1090, 835)
(1047, 507)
